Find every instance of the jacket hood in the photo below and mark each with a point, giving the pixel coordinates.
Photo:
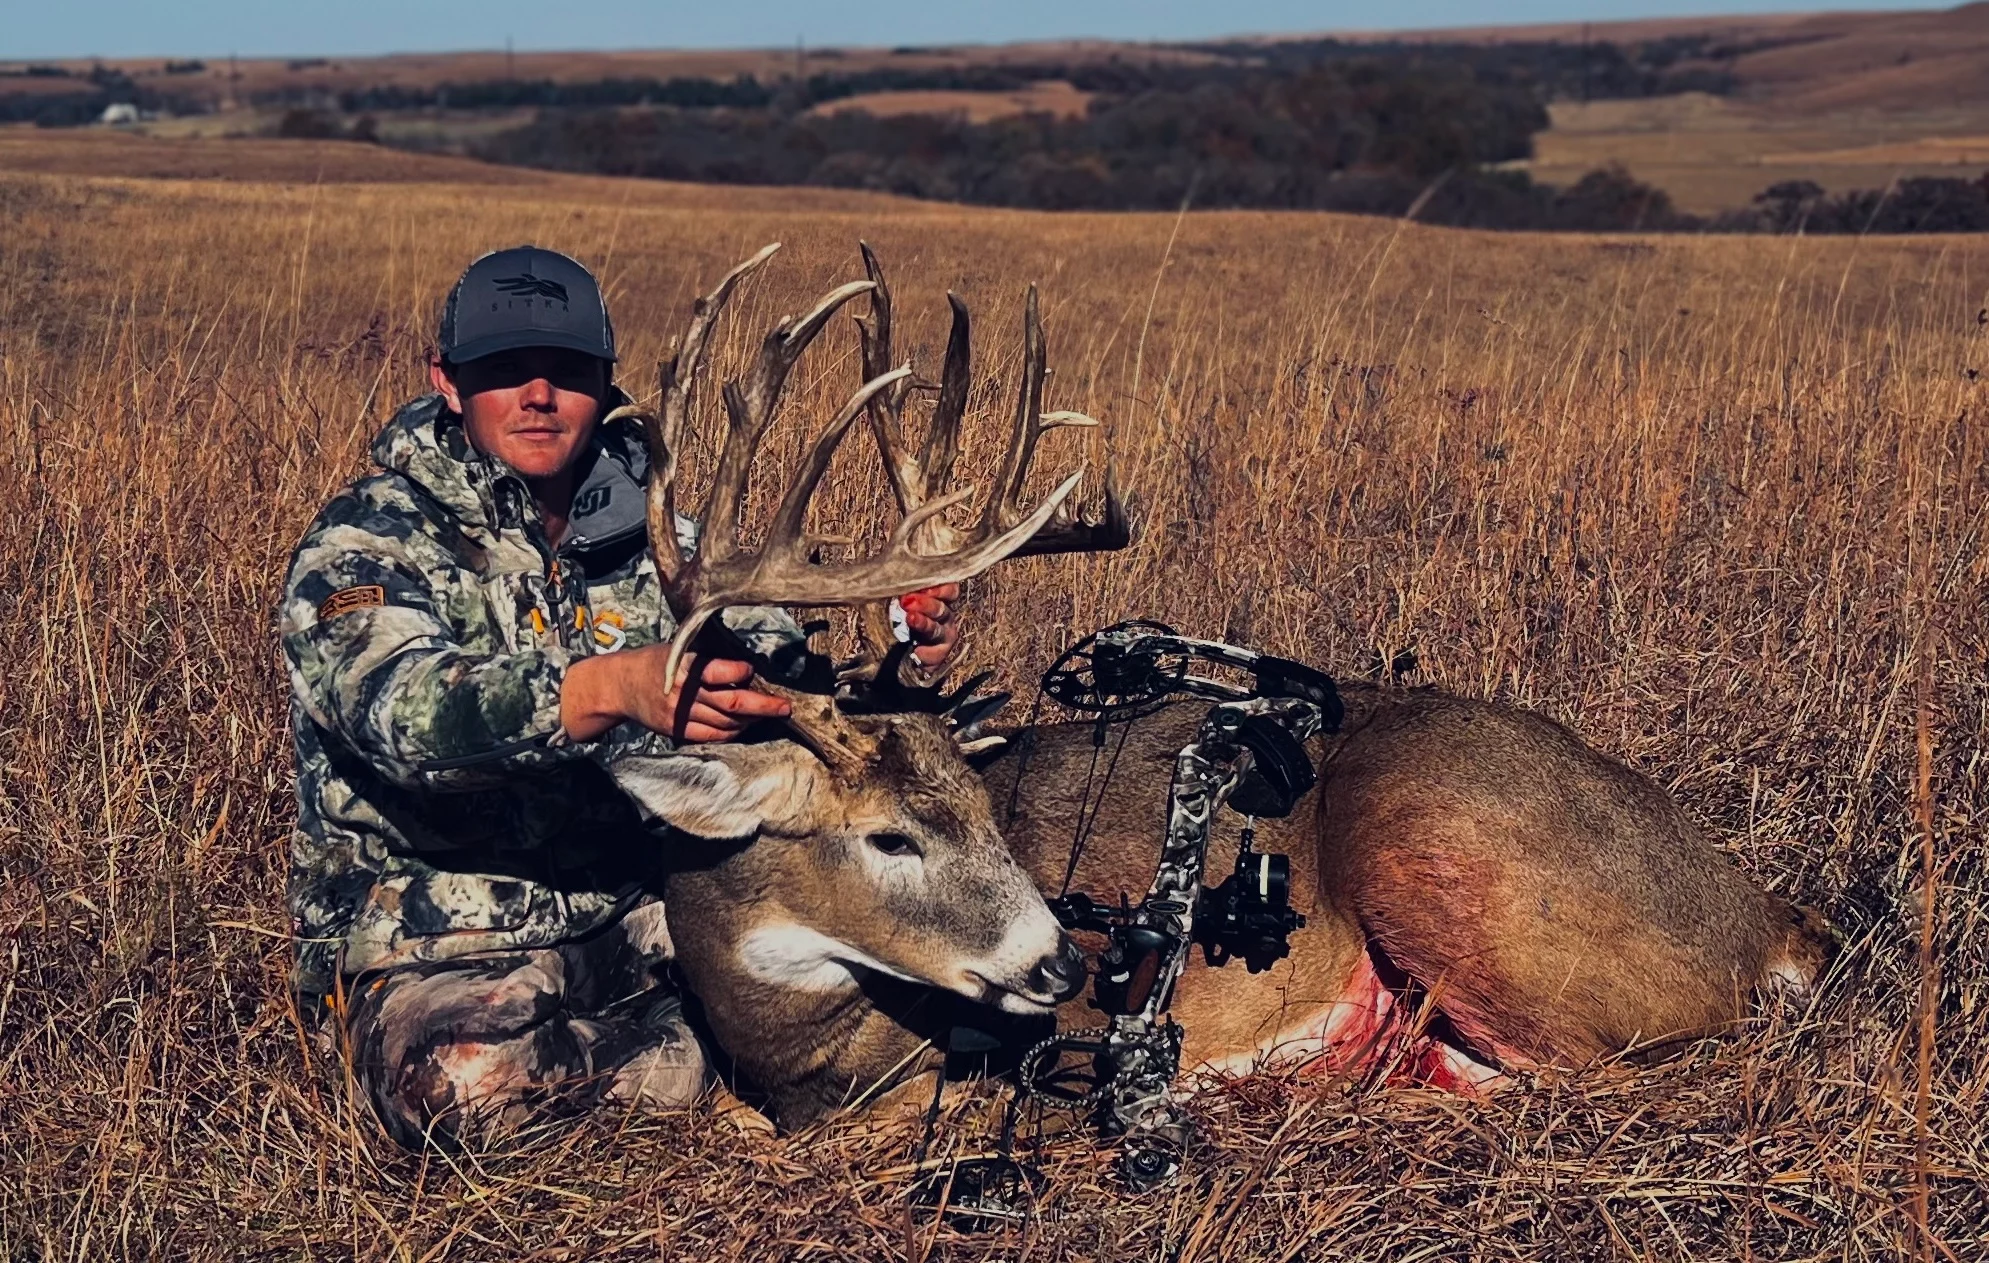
(425, 443)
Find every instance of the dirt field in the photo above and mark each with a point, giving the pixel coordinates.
(1716, 503)
(1849, 100)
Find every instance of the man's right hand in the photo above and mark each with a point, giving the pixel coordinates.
(710, 700)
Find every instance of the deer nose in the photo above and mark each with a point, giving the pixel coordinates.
(1059, 976)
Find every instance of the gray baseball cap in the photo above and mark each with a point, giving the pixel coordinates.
(524, 296)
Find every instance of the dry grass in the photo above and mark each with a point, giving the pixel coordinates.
(1707, 500)
(305, 165)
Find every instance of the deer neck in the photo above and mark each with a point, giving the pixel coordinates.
(810, 1021)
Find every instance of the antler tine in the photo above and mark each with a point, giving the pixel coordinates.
(1072, 532)
(928, 531)
(750, 410)
(1006, 500)
(887, 410)
(1068, 531)
(942, 439)
(664, 429)
(780, 573)
(784, 535)
(914, 482)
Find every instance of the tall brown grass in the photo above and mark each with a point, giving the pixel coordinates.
(1712, 502)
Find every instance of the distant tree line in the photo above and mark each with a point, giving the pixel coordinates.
(1388, 129)
(1315, 124)
(1915, 204)
(96, 88)
(1546, 70)
(1613, 200)
(1555, 70)
(744, 92)
(1550, 70)
(1369, 131)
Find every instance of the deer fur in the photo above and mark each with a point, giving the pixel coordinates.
(1551, 906)
(1555, 906)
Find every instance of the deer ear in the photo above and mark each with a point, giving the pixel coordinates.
(724, 791)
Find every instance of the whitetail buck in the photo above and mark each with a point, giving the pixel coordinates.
(1550, 904)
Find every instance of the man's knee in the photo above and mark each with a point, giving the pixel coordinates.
(656, 1059)
(464, 1052)
(457, 1094)
(457, 1053)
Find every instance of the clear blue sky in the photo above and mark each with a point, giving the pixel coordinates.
(206, 28)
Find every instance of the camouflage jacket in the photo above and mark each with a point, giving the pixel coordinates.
(428, 624)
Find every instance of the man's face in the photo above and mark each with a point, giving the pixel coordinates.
(533, 408)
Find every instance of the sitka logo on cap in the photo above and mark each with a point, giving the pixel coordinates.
(532, 286)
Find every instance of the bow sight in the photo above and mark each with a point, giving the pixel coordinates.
(1249, 754)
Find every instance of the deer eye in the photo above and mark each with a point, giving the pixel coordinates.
(894, 844)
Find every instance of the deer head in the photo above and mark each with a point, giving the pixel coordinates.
(865, 841)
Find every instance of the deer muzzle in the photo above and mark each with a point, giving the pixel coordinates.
(1032, 972)
(1061, 974)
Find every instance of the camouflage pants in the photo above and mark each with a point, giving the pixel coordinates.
(466, 1051)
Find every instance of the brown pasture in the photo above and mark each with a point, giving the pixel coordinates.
(1719, 504)
(1043, 96)
(1716, 153)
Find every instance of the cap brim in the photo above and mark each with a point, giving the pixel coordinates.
(513, 339)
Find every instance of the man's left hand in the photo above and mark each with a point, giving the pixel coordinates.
(934, 623)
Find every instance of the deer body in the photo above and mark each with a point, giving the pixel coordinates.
(1554, 905)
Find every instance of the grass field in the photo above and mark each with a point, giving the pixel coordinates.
(1716, 153)
(1044, 96)
(1717, 503)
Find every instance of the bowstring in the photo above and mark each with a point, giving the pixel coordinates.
(1087, 811)
(1028, 749)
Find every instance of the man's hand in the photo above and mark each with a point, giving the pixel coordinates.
(710, 700)
(933, 622)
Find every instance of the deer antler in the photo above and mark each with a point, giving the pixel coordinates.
(663, 429)
(722, 573)
(920, 482)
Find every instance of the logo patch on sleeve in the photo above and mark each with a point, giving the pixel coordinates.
(346, 600)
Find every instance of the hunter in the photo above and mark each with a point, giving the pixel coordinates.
(471, 632)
